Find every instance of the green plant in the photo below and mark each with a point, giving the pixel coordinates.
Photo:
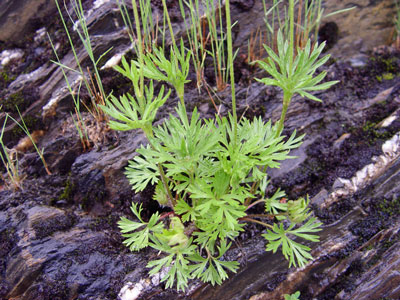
(9, 158)
(309, 17)
(25, 129)
(207, 37)
(196, 35)
(93, 83)
(210, 172)
(294, 296)
(148, 26)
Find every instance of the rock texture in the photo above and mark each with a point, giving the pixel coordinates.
(368, 25)
(17, 17)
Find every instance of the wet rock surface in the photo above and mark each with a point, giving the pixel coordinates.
(59, 238)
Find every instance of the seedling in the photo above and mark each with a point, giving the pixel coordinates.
(294, 296)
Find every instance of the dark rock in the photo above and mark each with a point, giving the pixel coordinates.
(243, 4)
(17, 17)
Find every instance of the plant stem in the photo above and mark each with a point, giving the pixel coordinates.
(169, 23)
(255, 202)
(256, 221)
(287, 96)
(291, 35)
(140, 48)
(230, 60)
(164, 178)
(181, 90)
(165, 184)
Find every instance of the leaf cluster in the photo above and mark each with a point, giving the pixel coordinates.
(211, 171)
(296, 76)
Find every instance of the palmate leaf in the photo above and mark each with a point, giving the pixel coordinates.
(175, 262)
(187, 212)
(213, 269)
(160, 195)
(273, 204)
(298, 76)
(183, 146)
(132, 112)
(257, 145)
(142, 171)
(294, 296)
(174, 70)
(298, 210)
(137, 240)
(296, 253)
(175, 236)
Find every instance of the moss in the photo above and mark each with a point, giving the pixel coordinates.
(385, 76)
(16, 99)
(85, 202)
(390, 207)
(389, 63)
(373, 133)
(6, 77)
(45, 228)
(68, 191)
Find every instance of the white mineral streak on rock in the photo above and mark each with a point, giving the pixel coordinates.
(51, 106)
(389, 120)
(40, 35)
(113, 61)
(51, 103)
(131, 291)
(7, 56)
(99, 3)
(391, 152)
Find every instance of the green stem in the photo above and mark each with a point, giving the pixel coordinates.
(164, 179)
(140, 47)
(287, 96)
(262, 216)
(230, 60)
(181, 89)
(291, 35)
(169, 23)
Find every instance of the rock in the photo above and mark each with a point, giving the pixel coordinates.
(359, 61)
(382, 280)
(374, 25)
(17, 16)
(52, 253)
(8, 56)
